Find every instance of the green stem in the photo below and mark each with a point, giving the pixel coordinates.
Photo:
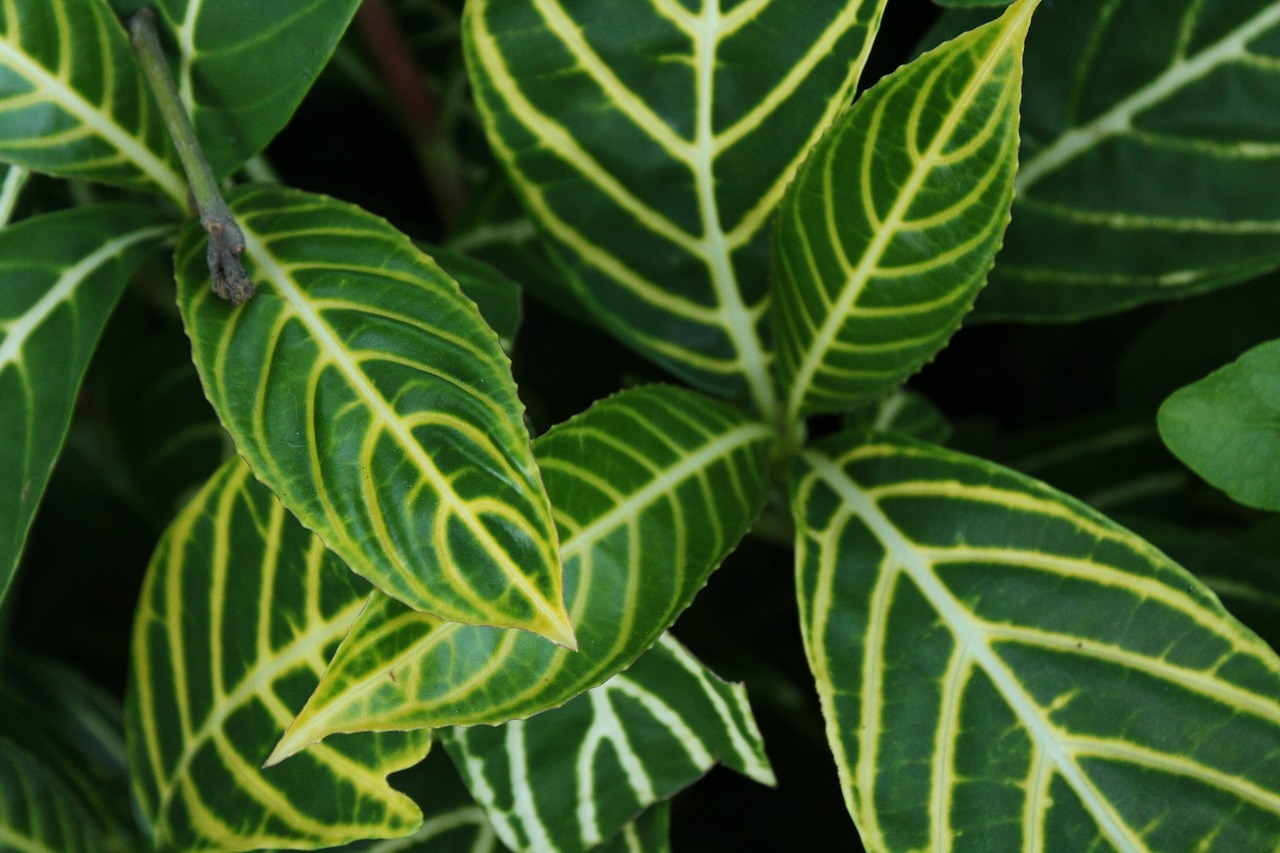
(226, 241)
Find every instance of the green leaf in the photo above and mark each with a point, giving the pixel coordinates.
(367, 392)
(60, 276)
(904, 411)
(969, 4)
(496, 296)
(1001, 665)
(243, 68)
(72, 101)
(1149, 158)
(239, 612)
(570, 778)
(893, 221)
(1226, 427)
(651, 488)
(37, 813)
(651, 144)
(649, 833)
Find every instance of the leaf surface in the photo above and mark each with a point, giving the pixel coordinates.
(893, 221)
(569, 778)
(1226, 427)
(368, 393)
(60, 277)
(242, 68)
(1150, 156)
(72, 100)
(239, 612)
(651, 488)
(651, 143)
(1001, 668)
(37, 812)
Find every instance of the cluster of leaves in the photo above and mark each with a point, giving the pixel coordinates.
(361, 551)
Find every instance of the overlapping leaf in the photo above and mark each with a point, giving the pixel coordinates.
(60, 277)
(651, 141)
(903, 411)
(651, 488)
(567, 779)
(239, 612)
(242, 68)
(367, 392)
(1001, 668)
(1150, 156)
(893, 221)
(37, 813)
(1226, 427)
(72, 101)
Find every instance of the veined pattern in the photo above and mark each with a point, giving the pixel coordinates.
(893, 221)
(60, 277)
(37, 813)
(240, 611)
(567, 779)
(1149, 158)
(651, 142)
(367, 392)
(1001, 668)
(651, 488)
(72, 101)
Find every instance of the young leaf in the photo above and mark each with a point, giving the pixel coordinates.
(1000, 664)
(37, 812)
(239, 611)
(894, 219)
(903, 411)
(243, 68)
(60, 276)
(1226, 427)
(367, 392)
(570, 778)
(72, 101)
(651, 143)
(1149, 156)
(651, 488)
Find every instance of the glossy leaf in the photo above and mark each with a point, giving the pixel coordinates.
(893, 221)
(60, 276)
(651, 488)
(239, 612)
(1001, 668)
(242, 68)
(37, 813)
(367, 392)
(1149, 156)
(1226, 427)
(651, 143)
(570, 778)
(72, 101)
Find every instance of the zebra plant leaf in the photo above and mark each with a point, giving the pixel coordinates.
(37, 812)
(242, 68)
(60, 277)
(652, 163)
(892, 223)
(367, 392)
(651, 488)
(72, 101)
(239, 612)
(1149, 168)
(1002, 668)
(567, 779)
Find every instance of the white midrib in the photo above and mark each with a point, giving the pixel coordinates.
(858, 278)
(18, 331)
(969, 638)
(68, 99)
(338, 355)
(1119, 118)
(738, 322)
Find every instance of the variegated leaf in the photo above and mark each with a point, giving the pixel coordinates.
(72, 101)
(367, 392)
(1001, 668)
(651, 142)
(37, 812)
(889, 230)
(651, 489)
(567, 779)
(240, 610)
